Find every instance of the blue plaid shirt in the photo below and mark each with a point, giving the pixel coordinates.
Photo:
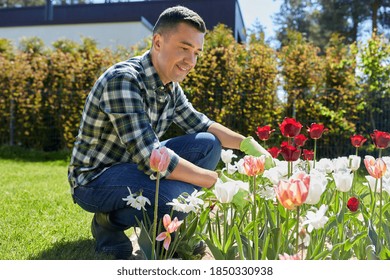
(125, 114)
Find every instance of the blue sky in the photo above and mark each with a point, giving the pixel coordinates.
(263, 10)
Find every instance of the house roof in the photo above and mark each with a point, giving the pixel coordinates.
(213, 12)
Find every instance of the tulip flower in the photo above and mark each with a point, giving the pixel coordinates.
(264, 132)
(375, 167)
(160, 159)
(286, 257)
(315, 130)
(227, 156)
(300, 140)
(318, 182)
(291, 193)
(358, 140)
(254, 165)
(354, 162)
(225, 191)
(371, 183)
(290, 127)
(170, 226)
(289, 152)
(308, 154)
(159, 162)
(274, 151)
(381, 139)
(343, 180)
(353, 204)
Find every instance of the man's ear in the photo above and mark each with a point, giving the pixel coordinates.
(157, 38)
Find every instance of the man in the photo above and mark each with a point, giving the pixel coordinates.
(129, 108)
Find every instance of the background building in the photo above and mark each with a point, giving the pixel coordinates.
(110, 24)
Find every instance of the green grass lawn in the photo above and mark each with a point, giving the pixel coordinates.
(38, 219)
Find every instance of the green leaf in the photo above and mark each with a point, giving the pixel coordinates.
(215, 251)
(144, 241)
(384, 254)
(370, 252)
(204, 216)
(239, 242)
(191, 228)
(239, 200)
(373, 236)
(350, 242)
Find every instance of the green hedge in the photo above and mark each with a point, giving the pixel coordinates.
(42, 90)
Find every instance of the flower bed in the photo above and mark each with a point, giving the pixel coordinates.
(295, 208)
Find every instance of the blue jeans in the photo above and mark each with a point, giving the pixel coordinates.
(105, 193)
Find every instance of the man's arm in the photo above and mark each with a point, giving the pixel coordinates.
(227, 137)
(188, 172)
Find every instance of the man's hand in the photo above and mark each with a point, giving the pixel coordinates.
(250, 147)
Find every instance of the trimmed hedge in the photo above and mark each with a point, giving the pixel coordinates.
(42, 91)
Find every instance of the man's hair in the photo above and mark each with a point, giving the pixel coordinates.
(171, 17)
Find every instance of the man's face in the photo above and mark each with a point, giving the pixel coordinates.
(175, 53)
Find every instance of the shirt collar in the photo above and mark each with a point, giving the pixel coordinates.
(153, 81)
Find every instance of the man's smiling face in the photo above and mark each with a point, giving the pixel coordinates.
(175, 52)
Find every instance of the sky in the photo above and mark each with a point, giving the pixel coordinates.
(263, 10)
(252, 9)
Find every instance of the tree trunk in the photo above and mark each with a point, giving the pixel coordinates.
(374, 16)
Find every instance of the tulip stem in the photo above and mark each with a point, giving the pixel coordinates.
(315, 154)
(343, 220)
(297, 230)
(380, 212)
(154, 230)
(373, 203)
(380, 205)
(255, 227)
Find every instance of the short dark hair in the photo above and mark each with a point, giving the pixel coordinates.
(171, 17)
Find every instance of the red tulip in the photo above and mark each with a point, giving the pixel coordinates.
(381, 139)
(300, 140)
(316, 130)
(159, 159)
(353, 204)
(289, 152)
(308, 154)
(264, 132)
(358, 140)
(290, 127)
(254, 165)
(274, 151)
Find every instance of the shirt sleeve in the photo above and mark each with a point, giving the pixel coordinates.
(123, 104)
(187, 117)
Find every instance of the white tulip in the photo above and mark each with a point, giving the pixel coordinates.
(343, 180)
(354, 162)
(225, 191)
(227, 156)
(318, 182)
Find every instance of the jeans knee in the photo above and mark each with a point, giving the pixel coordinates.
(212, 142)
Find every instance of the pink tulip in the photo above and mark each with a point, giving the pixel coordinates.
(376, 168)
(287, 257)
(170, 226)
(159, 159)
(254, 165)
(293, 192)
